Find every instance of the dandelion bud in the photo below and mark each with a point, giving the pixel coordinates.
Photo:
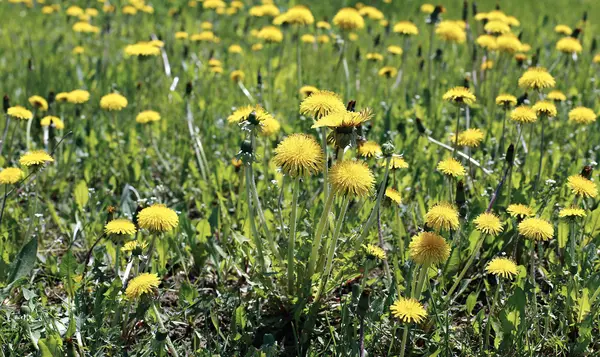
(586, 172)
(535, 58)
(6, 103)
(357, 55)
(497, 6)
(188, 88)
(593, 46)
(186, 51)
(465, 13)
(460, 194)
(351, 106)
(161, 334)
(584, 18)
(377, 40)
(474, 55)
(363, 303)
(419, 51)
(259, 79)
(510, 154)
(387, 149)
(474, 8)
(246, 147)
(51, 97)
(576, 33)
(421, 65)
(138, 86)
(30, 64)
(420, 126)
(466, 82)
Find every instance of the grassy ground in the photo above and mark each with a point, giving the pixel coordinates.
(226, 284)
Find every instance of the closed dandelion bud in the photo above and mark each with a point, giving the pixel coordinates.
(246, 147)
(51, 97)
(351, 106)
(586, 172)
(161, 334)
(576, 33)
(593, 46)
(30, 64)
(465, 12)
(387, 149)
(460, 194)
(535, 58)
(377, 40)
(584, 18)
(188, 88)
(259, 79)
(357, 55)
(474, 55)
(419, 51)
(420, 126)
(6, 103)
(466, 82)
(138, 86)
(421, 65)
(363, 304)
(438, 55)
(474, 8)
(510, 155)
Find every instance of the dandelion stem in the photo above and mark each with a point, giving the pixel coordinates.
(534, 302)
(292, 237)
(416, 294)
(373, 214)
(326, 162)
(466, 267)
(456, 132)
(318, 235)
(3, 203)
(488, 324)
(255, 235)
(163, 329)
(6, 125)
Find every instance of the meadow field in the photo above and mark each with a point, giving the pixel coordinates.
(299, 178)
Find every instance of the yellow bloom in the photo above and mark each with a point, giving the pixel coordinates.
(133, 245)
(181, 35)
(78, 50)
(297, 15)
(470, 138)
(241, 114)
(459, 95)
(569, 45)
(35, 158)
(451, 32)
(120, 226)
(596, 58)
(142, 49)
(536, 78)
(147, 116)
(393, 195)
(204, 36)
(142, 284)
(257, 47)
(582, 115)
(308, 38)
(270, 34)
(428, 248)
(451, 167)
(582, 186)
(442, 216)
(557, 96)
(158, 218)
(563, 29)
(323, 25)
(213, 4)
(519, 211)
(427, 8)
(388, 72)
(395, 50)
(11, 175)
(351, 178)
(85, 27)
(487, 42)
(523, 114)
(270, 126)
(323, 39)
(113, 102)
(496, 15)
(299, 155)
(19, 113)
(371, 12)
(307, 90)
(237, 76)
(348, 19)
(321, 103)
(38, 102)
(52, 121)
(78, 96)
(536, 229)
(375, 57)
(408, 310)
(509, 43)
(369, 149)
(374, 252)
(397, 162)
(544, 108)
(74, 11)
(129, 10)
(62, 97)
(497, 27)
(506, 100)
(406, 28)
(235, 49)
(343, 119)
(572, 213)
(488, 223)
(502, 267)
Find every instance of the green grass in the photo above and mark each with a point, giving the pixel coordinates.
(224, 285)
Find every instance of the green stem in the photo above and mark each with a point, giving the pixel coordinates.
(261, 215)
(456, 133)
(466, 267)
(292, 237)
(373, 214)
(488, 324)
(162, 327)
(416, 294)
(318, 235)
(255, 235)
(326, 162)
(534, 302)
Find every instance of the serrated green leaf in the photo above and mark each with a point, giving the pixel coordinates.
(81, 194)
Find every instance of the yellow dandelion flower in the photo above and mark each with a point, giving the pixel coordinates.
(596, 58)
(388, 72)
(569, 45)
(582, 115)
(237, 75)
(459, 95)
(582, 186)
(451, 32)
(297, 15)
(270, 34)
(133, 246)
(506, 100)
(502, 267)
(11, 175)
(142, 284)
(557, 96)
(451, 167)
(323, 25)
(158, 218)
(536, 229)
(523, 114)
(147, 116)
(497, 27)
(470, 137)
(181, 35)
(344, 119)
(349, 19)
(20, 113)
(408, 310)
(375, 57)
(306, 91)
(241, 114)
(442, 216)
(113, 102)
(141, 49)
(563, 29)
(496, 15)
(213, 4)
(572, 213)
(428, 248)
(369, 149)
(39, 103)
(519, 211)
(406, 28)
(393, 195)
(78, 50)
(235, 49)
(321, 103)
(78, 96)
(374, 252)
(299, 155)
(544, 108)
(513, 21)
(204, 36)
(427, 8)
(395, 50)
(53, 121)
(74, 11)
(536, 78)
(509, 43)
(397, 162)
(308, 38)
(35, 158)
(120, 227)
(488, 42)
(62, 97)
(488, 223)
(371, 12)
(323, 39)
(129, 10)
(270, 126)
(351, 178)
